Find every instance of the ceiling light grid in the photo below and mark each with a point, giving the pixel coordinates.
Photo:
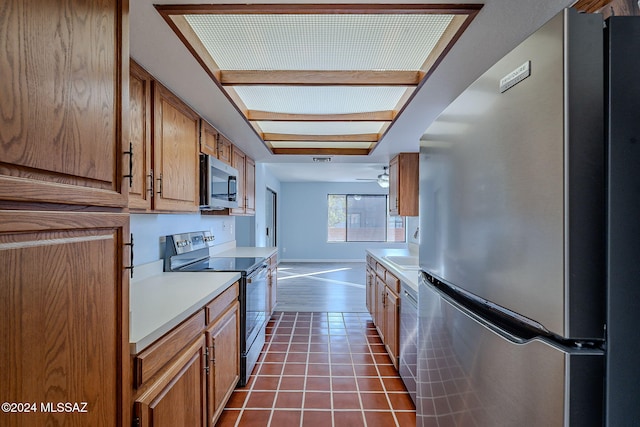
(319, 42)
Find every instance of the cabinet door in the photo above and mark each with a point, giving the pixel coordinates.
(250, 186)
(140, 190)
(64, 301)
(177, 397)
(224, 150)
(272, 289)
(394, 187)
(175, 160)
(208, 139)
(224, 352)
(61, 101)
(239, 163)
(391, 319)
(371, 290)
(378, 314)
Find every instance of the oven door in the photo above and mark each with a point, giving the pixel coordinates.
(256, 303)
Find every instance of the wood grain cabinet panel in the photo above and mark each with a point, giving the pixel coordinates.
(224, 363)
(403, 184)
(175, 146)
(63, 102)
(178, 397)
(64, 316)
(392, 325)
(238, 162)
(140, 108)
(224, 150)
(250, 187)
(208, 139)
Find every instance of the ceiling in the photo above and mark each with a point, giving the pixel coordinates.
(498, 27)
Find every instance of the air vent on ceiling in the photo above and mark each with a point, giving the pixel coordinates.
(322, 159)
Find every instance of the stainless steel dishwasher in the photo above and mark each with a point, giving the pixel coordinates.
(409, 338)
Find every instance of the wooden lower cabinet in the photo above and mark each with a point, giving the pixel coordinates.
(177, 397)
(64, 301)
(187, 376)
(383, 302)
(272, 285)
(224, 357)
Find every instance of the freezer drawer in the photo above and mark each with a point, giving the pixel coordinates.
(469, 375)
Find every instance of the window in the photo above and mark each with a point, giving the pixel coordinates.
(362, 218)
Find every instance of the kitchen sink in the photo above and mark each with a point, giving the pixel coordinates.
(407, 262)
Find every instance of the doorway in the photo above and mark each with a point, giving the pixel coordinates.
(271, 208)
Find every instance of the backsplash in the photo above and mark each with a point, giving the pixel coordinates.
(149, 231)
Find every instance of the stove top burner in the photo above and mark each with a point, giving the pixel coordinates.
(240, 264)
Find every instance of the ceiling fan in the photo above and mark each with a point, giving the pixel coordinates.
(382, 179)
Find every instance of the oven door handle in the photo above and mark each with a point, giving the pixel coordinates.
(259, 274)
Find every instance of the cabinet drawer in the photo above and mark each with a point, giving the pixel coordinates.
(380, 270)
(393, 283)
(151, 360)
(273, 260)
(219, 305)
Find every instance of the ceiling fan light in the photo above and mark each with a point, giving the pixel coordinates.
(383, 180)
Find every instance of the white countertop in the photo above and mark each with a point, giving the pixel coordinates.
(408, 276)
(161, 302)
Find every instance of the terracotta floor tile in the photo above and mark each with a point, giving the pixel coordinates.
(318, 369)
(349, 419)
(344, 383)
(237, 399)
(254, 418)
(278, 347)
(288, 399)
(342, 370)
(406, 419)
(318, 348)
(340, 348)
(285, 418)
(318, 357)
(382, 359)
(369, 384)
(266, 383)
(379, 419)
(318, 383)
(300, 348)
(346, 401)
(361, 359)
(260, 399)
(340, 358)
(393, 384)
(387, 371)
(359, 348)
(316, 418)
(292, 383)
(319, 339)
(294, 369)
(317, 400)
(297, 357)
(274, 357)
(228, 418)
(377, 401)
(365, 370)
(271, 369)
(401, 402)
(376, 348)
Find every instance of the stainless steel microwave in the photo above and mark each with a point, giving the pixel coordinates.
(218, 184)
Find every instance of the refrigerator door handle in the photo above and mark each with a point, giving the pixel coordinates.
(504, 322)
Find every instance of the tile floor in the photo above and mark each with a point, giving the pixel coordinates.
(321, 369)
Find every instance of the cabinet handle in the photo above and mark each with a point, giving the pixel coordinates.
(160, 185)
(150, 188)
(130, 154)
(130, 267)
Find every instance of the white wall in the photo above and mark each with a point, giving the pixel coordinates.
(251, 231)
(148, 229)
(303, 213)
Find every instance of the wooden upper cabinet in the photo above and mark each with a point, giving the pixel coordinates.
(224, 149)
(141, 187)
(250, 186)
(64, 299)
(403, 185)
(175, 160)
(63, 102)
(238, 162)
(208, 139)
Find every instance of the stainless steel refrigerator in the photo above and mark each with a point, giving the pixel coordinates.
(530, 236)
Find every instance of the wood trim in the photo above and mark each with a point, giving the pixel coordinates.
(195, 45)
(305, 9)
(323, 151)
(319, 78)
(590, 6)
(363, 137)
(440, 47)
(373, 116)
